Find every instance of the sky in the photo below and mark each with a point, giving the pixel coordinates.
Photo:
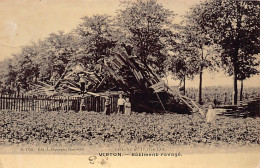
(25, 21)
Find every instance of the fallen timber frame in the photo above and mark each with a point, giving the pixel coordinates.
(125, 74)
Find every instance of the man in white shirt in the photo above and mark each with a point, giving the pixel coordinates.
(120, 104)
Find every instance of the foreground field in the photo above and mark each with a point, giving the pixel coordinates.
(91, 128)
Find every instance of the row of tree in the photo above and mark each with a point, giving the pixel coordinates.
(212, 34)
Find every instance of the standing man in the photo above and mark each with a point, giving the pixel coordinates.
(82, 82)
(107, 104)
(120, 104)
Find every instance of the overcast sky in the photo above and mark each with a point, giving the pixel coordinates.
(26, 21)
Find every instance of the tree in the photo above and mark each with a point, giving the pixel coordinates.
(8, 75)
(246, 69)
(181, 63)
(55, 52)
(146, 26)
(27, 70)
(195, 38)
(235, 26)
(96, 38)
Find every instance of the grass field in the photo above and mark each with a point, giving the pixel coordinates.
(91, 128)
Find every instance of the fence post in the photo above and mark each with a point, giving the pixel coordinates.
(10, 101)
(67, 103)
(38, 103)
(99, 104)
(21, 103)
(14, 99)
(18, 96)
(88, 104)
(46, 102)
(27, 103)
(64, 103)
(95, 103)
(6, 102)
(1, 102)
(32, 103)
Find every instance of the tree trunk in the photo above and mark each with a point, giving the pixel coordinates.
(235, 89)
(200, 85)
(201, 73)
(235, 58)
(241, 90)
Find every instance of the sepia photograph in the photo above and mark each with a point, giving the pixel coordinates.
(129, 83)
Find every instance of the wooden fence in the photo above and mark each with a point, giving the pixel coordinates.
(38, 103)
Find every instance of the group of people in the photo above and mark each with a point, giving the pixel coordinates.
(123, 105)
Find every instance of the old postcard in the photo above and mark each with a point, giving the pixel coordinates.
(135, 83)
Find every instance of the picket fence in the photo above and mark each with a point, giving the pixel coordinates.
(53, 103)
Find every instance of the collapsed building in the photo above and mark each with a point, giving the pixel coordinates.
(121, 73)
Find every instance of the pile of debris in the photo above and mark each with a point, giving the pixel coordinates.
(120, 73)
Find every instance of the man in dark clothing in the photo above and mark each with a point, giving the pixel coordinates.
(107, 105)
(82, 82)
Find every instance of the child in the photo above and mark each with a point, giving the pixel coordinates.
(210, 116)
(127, 107)
(120, 104)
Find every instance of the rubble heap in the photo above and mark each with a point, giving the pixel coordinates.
(119, 73)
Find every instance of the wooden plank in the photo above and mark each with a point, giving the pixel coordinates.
(67, 103)
(11, 101)
(30, 103)
(17, 103)
(6, 104)
(41, 102)
(89, 103)
(25, 103)
(159, 90)
(19, 108)
(78, 102)
(3, 102)
(158, 85)
(44, 102)
(33, 101)
(186, 101)
(47, 103)
(38, 102)
(1, 99)
(14, 102)
(21, 103)
(160, 102)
